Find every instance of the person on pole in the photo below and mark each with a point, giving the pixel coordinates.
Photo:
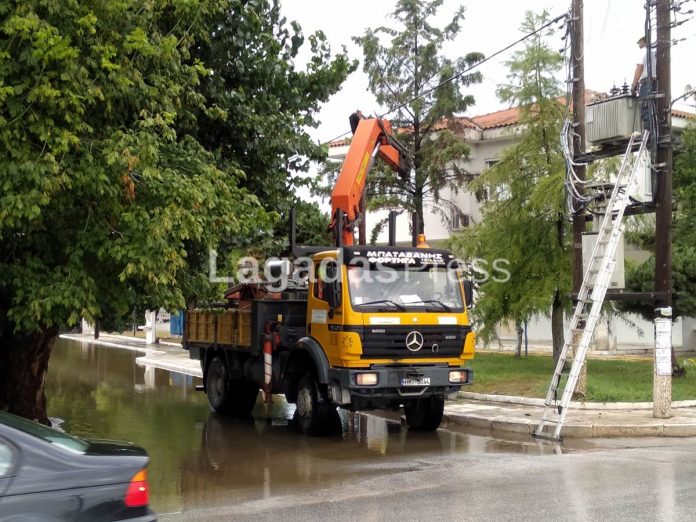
(642, 83)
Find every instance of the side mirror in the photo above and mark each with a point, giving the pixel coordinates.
(469, 293)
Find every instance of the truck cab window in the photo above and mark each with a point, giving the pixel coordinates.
(325, 274)
(413, 289)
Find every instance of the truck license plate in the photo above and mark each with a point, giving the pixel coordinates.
(410, 381)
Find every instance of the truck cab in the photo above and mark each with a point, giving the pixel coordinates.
(393, 325)
(368, 328)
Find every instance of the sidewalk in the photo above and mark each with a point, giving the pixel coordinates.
(495, 413)
(590, 420)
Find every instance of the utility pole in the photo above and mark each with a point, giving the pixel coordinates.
(662, 379)
(578, 63)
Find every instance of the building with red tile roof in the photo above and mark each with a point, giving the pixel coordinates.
(488, 136)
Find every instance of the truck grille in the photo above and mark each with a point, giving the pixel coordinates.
(390, 341)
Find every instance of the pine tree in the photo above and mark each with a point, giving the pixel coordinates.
(404, 64)
(524, 221)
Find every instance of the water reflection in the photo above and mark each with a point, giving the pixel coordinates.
(199, 458)
(242, 460)
(101, 393)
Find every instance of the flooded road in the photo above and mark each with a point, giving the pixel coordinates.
(202, 459)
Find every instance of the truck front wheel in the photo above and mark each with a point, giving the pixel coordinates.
(236, 397)
(424, 414)
(314, 411)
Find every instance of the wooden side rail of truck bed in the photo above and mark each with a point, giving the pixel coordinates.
(228, 327)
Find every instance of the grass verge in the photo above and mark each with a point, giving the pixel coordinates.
(616, 380)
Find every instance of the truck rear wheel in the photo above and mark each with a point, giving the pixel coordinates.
(314, 411)
(236, 397)
(425, 414)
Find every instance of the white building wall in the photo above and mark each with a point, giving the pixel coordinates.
(630, 335)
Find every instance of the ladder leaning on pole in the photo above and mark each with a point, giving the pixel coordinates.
(592, 292)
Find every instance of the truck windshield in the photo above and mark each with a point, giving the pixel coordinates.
(399, 289)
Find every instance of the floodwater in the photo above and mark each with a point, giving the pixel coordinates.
(200, 458)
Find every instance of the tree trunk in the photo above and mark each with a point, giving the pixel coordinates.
(23, 365)
(520, 331)
(418, 223)
(557, 326)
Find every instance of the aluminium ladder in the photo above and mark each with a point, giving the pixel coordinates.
(591, 297)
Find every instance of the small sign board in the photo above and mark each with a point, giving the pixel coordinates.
(663, 346)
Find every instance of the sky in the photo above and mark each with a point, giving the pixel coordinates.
(612, 28)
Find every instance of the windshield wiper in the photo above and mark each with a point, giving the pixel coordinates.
(436, 301)
(399, 307)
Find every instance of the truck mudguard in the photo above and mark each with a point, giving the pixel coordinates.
(313, 348)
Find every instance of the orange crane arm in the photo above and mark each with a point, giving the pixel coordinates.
(373, 137)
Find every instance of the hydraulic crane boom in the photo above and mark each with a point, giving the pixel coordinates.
(373, 137)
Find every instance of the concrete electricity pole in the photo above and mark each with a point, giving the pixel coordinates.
(662, 380)
(578, 63)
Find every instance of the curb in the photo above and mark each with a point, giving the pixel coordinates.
(156, 362)
(143, 349)
(139, 340)
(576, 405)
(571, 430)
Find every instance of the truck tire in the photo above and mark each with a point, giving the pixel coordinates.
(314, 411)
(425, 414)
(228, 397)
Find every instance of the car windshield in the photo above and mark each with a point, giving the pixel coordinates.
(45, 433)
(434, 288)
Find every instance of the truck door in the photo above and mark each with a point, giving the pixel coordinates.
(325, 321)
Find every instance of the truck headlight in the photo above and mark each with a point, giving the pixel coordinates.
(458, 376)
(366, 379)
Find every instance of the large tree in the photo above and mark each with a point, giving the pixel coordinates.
(524, 226)
(112, 195)
(404, 63)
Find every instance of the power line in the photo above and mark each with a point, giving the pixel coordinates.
(461, 73)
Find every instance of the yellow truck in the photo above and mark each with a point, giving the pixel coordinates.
(375, 327)
(366, 327)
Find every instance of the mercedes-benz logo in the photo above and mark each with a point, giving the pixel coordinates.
(414, 341)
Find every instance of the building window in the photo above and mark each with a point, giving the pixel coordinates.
(458, 219)
(482, 195)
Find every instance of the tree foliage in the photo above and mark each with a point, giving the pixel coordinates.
(404, 64)
(641, 277)
(125, 159)
(259, 102)
(523, 221)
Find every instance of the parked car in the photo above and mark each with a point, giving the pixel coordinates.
(48, 475)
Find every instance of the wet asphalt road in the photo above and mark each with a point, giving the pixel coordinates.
(207, 467)
(616, 482)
